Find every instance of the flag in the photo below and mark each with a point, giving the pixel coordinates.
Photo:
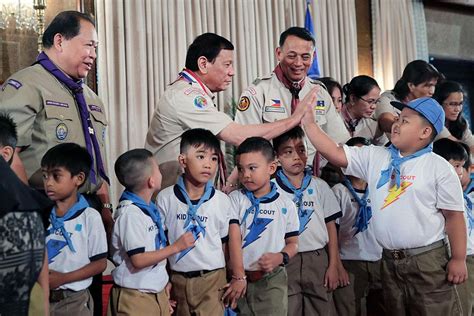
(308, 25)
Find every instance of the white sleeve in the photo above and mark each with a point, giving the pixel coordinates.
(331, 208)
(358, 161)
(132, 232)
(449, 194)
(225, 217)
(97, 239)
(235, 206)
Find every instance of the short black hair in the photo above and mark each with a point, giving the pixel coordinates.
(298, 32)
(256, 145)
(354, 141)
(208, 45)
(294, 133)
(69, 156)
(133, 167)
(199, 137)
(359, 86)
(467, 164)
(416, 72)
(66, 23)
(450, 149)
(8, 135)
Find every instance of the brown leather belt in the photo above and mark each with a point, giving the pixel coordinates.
(194, 274)
(399, 254)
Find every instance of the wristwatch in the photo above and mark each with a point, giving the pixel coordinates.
(107, 206)
(286, 258)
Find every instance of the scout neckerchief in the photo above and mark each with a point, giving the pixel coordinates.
(396, 161)
(189, 76)
(297, 193)
(87, 128)
(255, 202)
(58, 222)
(470, 216)
(350, 123)
(365, 211)
(294, 87)
(193, 208)
(152, 211)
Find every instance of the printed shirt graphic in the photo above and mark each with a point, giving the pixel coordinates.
(363, 245)
(409, 217)
(88, 237)
(277, 220)
(319, 207)
(135, 232)
(207, 254)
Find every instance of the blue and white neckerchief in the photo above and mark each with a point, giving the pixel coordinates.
(255, 202)
(297, 193)
(193, 209)
(395, 163)
(470, 216)
(58, 222)
(365, 211)
(152, 210)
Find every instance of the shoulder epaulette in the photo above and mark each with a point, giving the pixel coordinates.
(256, 81)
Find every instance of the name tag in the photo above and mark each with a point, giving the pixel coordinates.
(56, 103)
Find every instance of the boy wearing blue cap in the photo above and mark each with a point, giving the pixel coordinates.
(416, 198)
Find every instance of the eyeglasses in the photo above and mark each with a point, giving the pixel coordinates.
(454, 104)
(369, 102)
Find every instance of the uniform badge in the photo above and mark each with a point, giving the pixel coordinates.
(252, 90)
(95, 108)
(61, 131)
(200, 102)
(103, 133)
(310, 191)
(56, 103)
(244, 104)
(320, 107)
(275, 107)
(284, 210)
(14, 83)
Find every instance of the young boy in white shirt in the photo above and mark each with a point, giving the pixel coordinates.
(416, 198)
(139, 245)
(263, 230)
(75, 239)
(458, 155)
(193, 205)
(360, 253)
(317, 259)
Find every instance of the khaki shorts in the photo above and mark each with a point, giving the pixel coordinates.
(125, 301)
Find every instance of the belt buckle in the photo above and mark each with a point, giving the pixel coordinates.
(397, 254)
(56, 296)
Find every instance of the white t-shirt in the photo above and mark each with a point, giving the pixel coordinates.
(88, 237)
(277, 220)
(363, 245)
(135, 232)
(411, 216)
(470, 235)
(207, 254)
(319, 207)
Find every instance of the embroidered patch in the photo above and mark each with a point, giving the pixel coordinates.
(14, 83)
(103, 133)
(78, 227)
(193, 90)
(284, 210)
(320, 105)
(310, 191)
(56, 103)
(252, 90)
(95, 108)
(244, 104)
(275, 107)
(61, 131)
(200, 102)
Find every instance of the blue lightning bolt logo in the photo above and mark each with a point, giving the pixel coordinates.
(196, 230)
(256, 229)
(305, 218)
(54, 247)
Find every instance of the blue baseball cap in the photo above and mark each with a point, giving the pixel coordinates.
(429, 108)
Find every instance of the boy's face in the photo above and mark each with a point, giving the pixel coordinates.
(408, 129)
(255, 171)
(292, 156)
(458, 167)
(199, 163)
(59, 184)
(155, 175)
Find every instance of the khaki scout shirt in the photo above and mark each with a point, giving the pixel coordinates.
(46, 115)
(268, 100)
(183, 106)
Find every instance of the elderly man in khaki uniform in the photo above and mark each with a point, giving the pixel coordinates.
(189, 103)
(50, 105)
(274, 97)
